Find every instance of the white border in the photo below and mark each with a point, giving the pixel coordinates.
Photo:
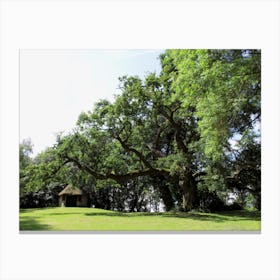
(157, 24)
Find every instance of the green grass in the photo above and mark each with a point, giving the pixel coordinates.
(64, 218)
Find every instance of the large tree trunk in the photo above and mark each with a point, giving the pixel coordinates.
(165, 193)
(189, 191)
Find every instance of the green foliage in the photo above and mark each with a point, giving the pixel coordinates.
(224, 88)
(25, 160)
(25, 151)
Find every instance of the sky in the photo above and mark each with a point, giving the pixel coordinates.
(57, 85)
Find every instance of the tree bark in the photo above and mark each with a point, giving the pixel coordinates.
(165, 193)
(189, 192)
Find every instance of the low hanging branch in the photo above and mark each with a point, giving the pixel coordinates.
(119, 177)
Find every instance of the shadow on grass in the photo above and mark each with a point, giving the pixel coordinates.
(214, 217)
(27, 223)
(203, 217)
(29, 210)
(197, 216)
(221, 216)
(123, 214)
(243, 214)
(64, 213)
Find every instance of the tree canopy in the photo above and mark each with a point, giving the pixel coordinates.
(193, 127)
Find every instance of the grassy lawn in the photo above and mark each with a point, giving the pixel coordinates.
(66, 218)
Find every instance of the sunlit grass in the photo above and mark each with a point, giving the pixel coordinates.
(70, 219)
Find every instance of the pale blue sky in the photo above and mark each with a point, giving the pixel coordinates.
(57, 85)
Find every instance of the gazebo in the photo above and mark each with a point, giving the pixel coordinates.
(71, 196)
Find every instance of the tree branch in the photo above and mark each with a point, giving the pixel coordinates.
(178, 128)
(129, 149)
(119, 177)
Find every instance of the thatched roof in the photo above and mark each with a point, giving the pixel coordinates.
(71, 191)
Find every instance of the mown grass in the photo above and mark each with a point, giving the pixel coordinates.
(91, 219)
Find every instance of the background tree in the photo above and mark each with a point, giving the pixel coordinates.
(25, 151)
